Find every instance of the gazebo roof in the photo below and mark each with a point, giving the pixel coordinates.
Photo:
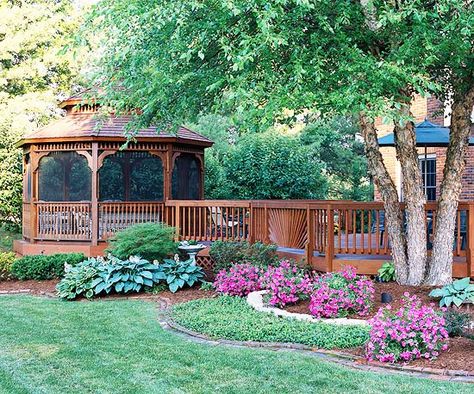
(85, 126)
(427, 134)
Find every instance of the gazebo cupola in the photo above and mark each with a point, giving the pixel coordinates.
(80, 185)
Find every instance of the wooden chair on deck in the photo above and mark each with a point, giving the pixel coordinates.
(222, 224)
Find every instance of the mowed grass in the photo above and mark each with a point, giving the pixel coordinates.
(49, 346)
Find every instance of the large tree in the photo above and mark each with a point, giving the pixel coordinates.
(271, 61)
(33, 74)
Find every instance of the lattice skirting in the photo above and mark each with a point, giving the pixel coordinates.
(205, 262)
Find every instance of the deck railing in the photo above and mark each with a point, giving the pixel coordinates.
(325, 233)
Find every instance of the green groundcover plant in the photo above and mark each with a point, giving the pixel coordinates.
(232, 318)
(44, 267)
(152, 241)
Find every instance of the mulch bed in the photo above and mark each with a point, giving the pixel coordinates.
(38, 287)
(459, 356)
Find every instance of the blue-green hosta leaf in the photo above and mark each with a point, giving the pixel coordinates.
(128, 286)
(100, 287)
(170, 278)
(437, 293)
(89, 293)
(185, 276)
(147, 274)
(180, 282)
(116, 277)
(160, 275)
(125, 277)
(173, 287)
(447, 300)
(458, 301)
(138, 279)
(461, 284)
(119, 286)
(95, 282)
(148, 282)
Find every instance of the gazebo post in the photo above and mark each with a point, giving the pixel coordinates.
(34, 195)
(94, 194)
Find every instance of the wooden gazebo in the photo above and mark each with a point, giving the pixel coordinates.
(80, 185)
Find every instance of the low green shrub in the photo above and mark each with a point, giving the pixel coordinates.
(6, 262)
(226, 253)
(232, 318)
(151, 241)
(456, 322)
(44, 267)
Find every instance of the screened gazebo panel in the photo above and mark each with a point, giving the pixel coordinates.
(131, 176)
(64, 176)
(186, 178)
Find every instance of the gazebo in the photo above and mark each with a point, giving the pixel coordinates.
(81, 184)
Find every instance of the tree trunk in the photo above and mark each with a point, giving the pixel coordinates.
(441, 264)
(414, 199)
(393, 213)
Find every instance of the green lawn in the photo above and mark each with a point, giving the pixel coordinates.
(49, 346)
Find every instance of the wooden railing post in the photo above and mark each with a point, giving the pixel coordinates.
(251, 226)
(266, 230)
(470, 240)
(95, 195)
(330, 238)
(310, 235)
(177, 218)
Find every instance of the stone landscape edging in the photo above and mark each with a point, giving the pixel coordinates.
(346, 359)
(255, 300)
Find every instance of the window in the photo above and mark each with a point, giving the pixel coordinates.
(186, 178)
(428, 173)
(64, 176)
(131, 176)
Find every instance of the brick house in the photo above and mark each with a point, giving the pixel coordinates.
(432, 153)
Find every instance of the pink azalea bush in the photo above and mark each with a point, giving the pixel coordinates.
(341, 294)
(238, 280)
(411, 332)
(286, 284)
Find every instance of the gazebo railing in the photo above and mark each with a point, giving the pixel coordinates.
(116, 216)
(64, 221)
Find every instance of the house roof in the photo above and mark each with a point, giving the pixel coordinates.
(427, 134)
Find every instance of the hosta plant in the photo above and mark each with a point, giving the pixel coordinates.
(387, 272)
(180, 273)
(123, 276)
(78, 279)
(456, 293)
(410, 332)
(340, 294)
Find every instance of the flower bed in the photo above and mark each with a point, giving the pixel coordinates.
(341, 294)
(411, 332)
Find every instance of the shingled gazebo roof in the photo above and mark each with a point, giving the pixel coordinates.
(88, 126)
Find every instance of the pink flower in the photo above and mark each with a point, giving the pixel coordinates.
(413, 331)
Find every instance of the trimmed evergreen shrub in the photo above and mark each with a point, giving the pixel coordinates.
(151, 241)
(43, 267)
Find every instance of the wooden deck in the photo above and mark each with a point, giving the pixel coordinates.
(327, 234)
